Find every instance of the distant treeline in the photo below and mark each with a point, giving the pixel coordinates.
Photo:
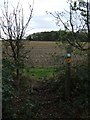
(44, 36)
(60, 35)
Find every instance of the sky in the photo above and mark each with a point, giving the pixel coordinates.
(41, 21)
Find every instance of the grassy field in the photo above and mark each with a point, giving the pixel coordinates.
(40, 73)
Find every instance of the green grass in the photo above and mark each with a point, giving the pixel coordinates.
(39, 72)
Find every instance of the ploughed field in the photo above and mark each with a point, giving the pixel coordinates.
(50, 54)
(44, 54)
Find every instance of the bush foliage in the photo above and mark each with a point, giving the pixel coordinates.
(25, 106)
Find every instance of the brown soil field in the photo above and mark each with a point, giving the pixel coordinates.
(44, 54)
(49, 54)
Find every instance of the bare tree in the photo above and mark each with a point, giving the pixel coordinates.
(13, 26)
(76, 20)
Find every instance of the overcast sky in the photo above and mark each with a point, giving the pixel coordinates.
(40, 20)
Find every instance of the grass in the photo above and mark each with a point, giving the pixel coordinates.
(39, 72)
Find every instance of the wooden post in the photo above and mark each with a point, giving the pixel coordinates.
(68, 72)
